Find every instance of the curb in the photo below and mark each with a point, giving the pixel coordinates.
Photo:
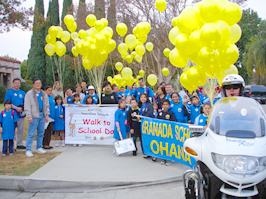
(26, 184)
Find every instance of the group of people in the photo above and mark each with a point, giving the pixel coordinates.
(46, 107)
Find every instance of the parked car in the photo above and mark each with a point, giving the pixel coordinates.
(257, 92)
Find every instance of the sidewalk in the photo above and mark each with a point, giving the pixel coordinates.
(93, 166)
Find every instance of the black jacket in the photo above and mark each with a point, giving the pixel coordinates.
(133, 122)
(168, 115)
(109, 98)
(148, 112)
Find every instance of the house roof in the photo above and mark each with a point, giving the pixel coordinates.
(9, 60)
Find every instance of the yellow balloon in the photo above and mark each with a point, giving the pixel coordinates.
(152, 79)
(60, 31)
(231, 13)
(208, 57)
(49, 49)
(118, 66)
(131, 81)
(131, 41)
(99, 25)
(232, 70)
(166, 52)
(165, 72)
(210, 35)
(74, 51)
(229, 54)
(235, 35)
(182, 43)
(69, 20)
(226, 31)
(177, 59)
(190, 19)
(65, 36)
(194, 42)
(77, 40)
(141, 73)
(173, 34)
(149, 46)
(122, 48)
(140, 50)
(160, 5)
(138, 58)
(74, 35)
(82, 34)
(72, 28)
(121, 29)
(174, 21)
(142, 29)
(110, 46)
(50, 40)
(126, 73)
(91, 19)
(110, 31)
(196, 75)
(53, 31)
(60, 48)
(105, 22)
(209, 11)
(87, 64)
(143, 39)
(100, 41)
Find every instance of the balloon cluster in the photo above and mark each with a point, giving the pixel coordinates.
(133, 47)
(205, 34)
(93, 44)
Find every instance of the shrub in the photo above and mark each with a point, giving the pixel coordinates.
(2, 93)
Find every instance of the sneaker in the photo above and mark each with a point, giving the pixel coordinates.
(21, 147)
(80, 144)
(146, 157)
(134, 153)
(41, 151)
(154, 159)
(11, 154)
(56, 144)
(168, 163)
(3, 154)
(63, 144)
(29, 154)
(163, 162)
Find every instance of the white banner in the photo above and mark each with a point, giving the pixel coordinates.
(89, 124)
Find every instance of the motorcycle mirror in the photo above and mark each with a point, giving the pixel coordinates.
(196, 130)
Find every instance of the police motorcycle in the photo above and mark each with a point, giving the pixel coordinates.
(230, 153)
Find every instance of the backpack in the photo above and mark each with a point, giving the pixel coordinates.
(13, 112)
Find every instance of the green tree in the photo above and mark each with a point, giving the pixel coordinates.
(23, 69)
(255, 57)
(13, 14)
(52, 19)
(36, 57)
(249, 24)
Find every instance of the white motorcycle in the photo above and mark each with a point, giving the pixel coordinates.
(230, 153)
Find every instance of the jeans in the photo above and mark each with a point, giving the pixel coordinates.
(8, 144)
(37, 124)
(21, 122)
(135, 140)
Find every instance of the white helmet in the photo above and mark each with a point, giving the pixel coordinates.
(231, 80)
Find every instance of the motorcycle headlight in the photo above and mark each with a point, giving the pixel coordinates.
(237, 164)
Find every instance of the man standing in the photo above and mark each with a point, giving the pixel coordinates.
(169, 88)
(37, 111)
(143, 89)
(16, 97)
(84, 87)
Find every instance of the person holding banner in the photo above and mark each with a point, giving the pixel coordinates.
(68, 96)
(146, 108)
(120, 131)
(59, 121)
(134, 123)
(179, 109)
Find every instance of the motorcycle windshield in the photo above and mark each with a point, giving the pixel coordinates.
(238, 117)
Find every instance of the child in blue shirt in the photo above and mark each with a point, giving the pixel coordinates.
(194, 108)
(88, 100)
(201, 120)
(8, 123)
(68, 96)
(121, 94)
(179, 109)
(59, 121)
(76, 99)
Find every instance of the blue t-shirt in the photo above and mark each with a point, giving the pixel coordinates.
(121, 94)
(179, 112)
(120, 116)
(141, 90)
(201, 120)
(8, 124)
(130, 92)
(204, 99)
(16, 98)
(95, 98)
(69, 100)
(59, 123)
(194, 112)
(39, 98)
(52, 106)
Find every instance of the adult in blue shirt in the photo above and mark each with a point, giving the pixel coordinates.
(37, 111)
(169, 89)
(143, 89)
(91, 92)
(49, 130)
(16, 96)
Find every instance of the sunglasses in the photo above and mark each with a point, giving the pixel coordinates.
(234, 86)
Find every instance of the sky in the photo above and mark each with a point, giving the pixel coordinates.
(16, 43)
